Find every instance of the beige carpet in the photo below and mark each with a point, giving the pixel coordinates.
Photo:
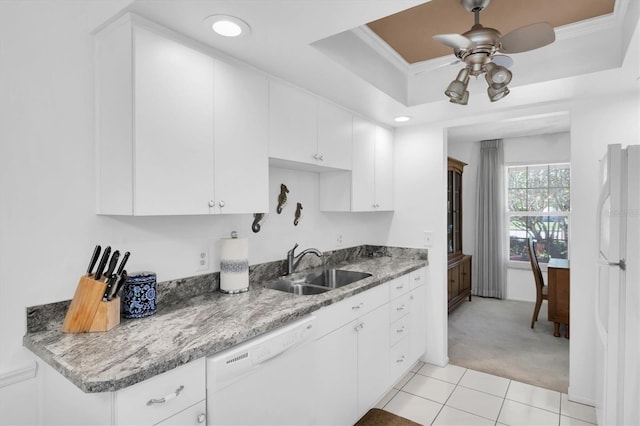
(494, 336)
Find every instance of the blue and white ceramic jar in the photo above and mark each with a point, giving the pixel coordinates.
(138, 295)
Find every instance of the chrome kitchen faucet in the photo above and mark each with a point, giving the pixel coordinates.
(293, 260)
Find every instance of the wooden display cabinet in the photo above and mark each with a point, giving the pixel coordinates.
(459, 264)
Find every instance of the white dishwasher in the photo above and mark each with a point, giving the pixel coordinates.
(268, 380)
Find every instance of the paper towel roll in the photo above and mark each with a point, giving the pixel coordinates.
(234, 265)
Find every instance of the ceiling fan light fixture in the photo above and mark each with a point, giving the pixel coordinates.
(497, 76)
(497, 94)
(463, 100)
(455, 90)
(458, 86)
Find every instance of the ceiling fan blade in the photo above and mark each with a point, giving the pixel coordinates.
(527, 38)
(455, 41)
(502, 60)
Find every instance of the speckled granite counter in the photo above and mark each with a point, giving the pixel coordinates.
(186, 329)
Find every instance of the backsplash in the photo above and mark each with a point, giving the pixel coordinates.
(49, 316)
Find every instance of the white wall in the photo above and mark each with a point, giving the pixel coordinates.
(48, 224)
(420, 200)
(534, 149)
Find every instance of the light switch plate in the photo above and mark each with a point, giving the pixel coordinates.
(428, 238)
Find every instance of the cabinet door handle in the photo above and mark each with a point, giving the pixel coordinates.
(221, 203)
(212, 203)
(400, 287)
(401, 359)
(358, 306)
(315, 156)
(201, 418)
(359, 327)
(166, 397)
(320, 157)
(400, 330)
(400, 308)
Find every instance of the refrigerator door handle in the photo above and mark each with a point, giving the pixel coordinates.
(602, 198)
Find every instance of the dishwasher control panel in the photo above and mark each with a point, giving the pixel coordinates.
(278, 344)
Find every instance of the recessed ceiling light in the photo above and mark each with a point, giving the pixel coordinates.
(402, 118)
(227, 26)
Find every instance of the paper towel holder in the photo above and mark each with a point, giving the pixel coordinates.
(234, 265)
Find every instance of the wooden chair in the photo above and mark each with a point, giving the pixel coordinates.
(541, 289)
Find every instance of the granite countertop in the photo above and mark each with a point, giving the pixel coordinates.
(189, 329)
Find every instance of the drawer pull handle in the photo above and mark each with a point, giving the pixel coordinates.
(358, 306)
(417, 278)
(400, 330)
(359, 326)
(400, 287)
(401, 308)
(400, 360)
(167, 397)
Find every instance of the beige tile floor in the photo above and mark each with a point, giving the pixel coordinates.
(452, 395)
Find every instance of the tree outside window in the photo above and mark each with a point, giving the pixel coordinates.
(538, 206)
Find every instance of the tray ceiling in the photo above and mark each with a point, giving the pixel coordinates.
(410, 32)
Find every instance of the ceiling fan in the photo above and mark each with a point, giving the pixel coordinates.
(483, 49)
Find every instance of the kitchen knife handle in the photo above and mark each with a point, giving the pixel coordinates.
(103, 263)
(114, 293)
(123, 262)
(94, 259)
(112, 264)
(110, 286)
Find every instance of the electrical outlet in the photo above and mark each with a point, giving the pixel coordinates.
(339, 240)
(203, 259)
(428, 238)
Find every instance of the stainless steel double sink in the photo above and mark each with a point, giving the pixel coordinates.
(316, 282)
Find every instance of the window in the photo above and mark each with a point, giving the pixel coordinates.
(538, 207)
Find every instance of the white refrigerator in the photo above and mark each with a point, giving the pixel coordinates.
(617, 298)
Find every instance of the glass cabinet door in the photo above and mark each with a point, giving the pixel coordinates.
(454, 208)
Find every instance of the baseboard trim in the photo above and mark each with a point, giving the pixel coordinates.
(579, 399)
(19, 375)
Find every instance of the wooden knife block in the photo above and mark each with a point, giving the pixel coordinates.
(87, 312)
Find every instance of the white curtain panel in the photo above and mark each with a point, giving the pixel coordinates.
(489, 259)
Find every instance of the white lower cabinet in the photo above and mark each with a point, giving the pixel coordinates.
(336, 372)
(373, 363)
(368, 343)
(418, 314)
(162, 396)
(194, 415)
(174, 397)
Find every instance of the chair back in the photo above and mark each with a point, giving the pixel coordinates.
(535, 267)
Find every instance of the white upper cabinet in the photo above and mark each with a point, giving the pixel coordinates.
(173, 121)
(383, 173)
(335, 135)
(369, 186)
(241, 146)
(292, 124)
(364, 166)
(171, 133)
(306, 130)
